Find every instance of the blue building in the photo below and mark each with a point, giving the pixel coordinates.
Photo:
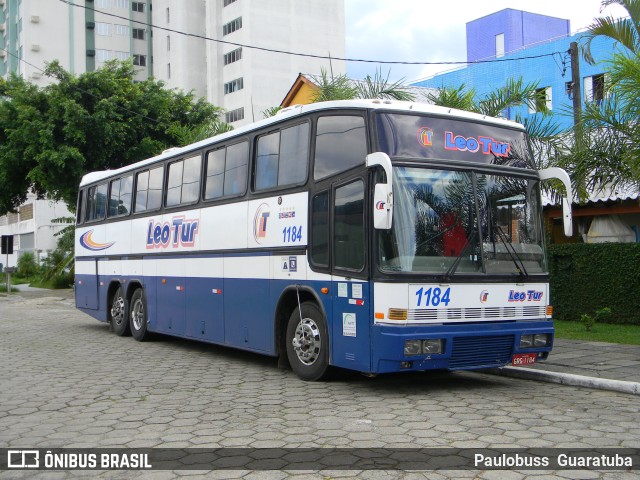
(516, 44)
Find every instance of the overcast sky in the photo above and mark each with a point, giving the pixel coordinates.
(434, 31)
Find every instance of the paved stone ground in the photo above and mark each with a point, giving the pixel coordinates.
(594, 359)
(69, 382)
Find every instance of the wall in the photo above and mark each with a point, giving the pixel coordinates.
(546, 69)
(520, 29)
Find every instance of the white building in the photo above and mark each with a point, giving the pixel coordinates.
(199, 45)
(32, 228)
(36, 32)
(245, 81)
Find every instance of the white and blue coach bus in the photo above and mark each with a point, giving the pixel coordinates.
(370, 235)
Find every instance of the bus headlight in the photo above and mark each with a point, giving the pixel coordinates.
(541, 339)
(526, 341)
(412, 347)
(432, 345)
(427, 346)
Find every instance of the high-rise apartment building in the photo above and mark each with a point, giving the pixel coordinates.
(220, 49)
(229, 61)
(36, 32)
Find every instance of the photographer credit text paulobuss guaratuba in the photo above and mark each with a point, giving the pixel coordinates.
(370, 235)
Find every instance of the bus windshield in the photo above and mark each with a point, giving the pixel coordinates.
(463, 222)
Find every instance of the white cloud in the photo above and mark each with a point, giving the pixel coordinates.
(429, 31)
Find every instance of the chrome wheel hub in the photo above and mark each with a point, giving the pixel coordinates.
(137, 314)
(117, 310)
(307, 341)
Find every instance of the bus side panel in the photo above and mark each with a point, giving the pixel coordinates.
(351, 322)
(248, 320)
(204, 304)
(86, 284)
(149, 273)
(170, 296)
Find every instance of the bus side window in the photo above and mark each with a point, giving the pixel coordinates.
(80, 208)
(227, 171)
(341, 144)
(184, 181)
(348, 233)
(96, 202)
(267, 161)
(282, 157)
(120, 196)
(236, 166)
(148, 190)
(215, 174)
(320, 229)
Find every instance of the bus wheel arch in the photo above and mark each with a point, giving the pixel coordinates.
(118, 309)
(302, 333)
(287, 303)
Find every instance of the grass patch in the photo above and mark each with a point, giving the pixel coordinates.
(600, 332)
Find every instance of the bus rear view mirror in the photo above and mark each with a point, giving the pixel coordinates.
(566, 217)
(382, 207)
(383, 193)
(563, 176)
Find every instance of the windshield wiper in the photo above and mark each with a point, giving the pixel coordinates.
(470, 242)
(514, 256)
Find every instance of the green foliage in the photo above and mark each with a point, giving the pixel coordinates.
(51, 136)
(609, 153)
(379, 87)
(27, 266)
(512, 94)
(611, 333)
(340, 87)
(596, 278)
(588, 321)
(270, 112)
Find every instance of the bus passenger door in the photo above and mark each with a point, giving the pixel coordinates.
(351, 299)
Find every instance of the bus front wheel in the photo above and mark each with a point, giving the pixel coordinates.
(139, 316)
(308, 343)
(118, 315)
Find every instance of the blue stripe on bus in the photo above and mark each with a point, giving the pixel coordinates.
(243, 316)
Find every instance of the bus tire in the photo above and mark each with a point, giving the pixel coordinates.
(308, 343)
(138, 319)
(118, 313)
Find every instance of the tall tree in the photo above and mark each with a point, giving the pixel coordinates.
(51, 136)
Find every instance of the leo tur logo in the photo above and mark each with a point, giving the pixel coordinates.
(484, 296)
(261, 222)
(425, 136)
(23, 459)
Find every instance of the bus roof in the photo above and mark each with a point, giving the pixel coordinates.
(298, 110)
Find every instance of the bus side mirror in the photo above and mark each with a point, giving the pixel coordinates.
(567, 219)
(383, 193)
(560, 174)
(382, 207)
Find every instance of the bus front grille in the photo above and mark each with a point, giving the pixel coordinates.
(444, 315)
(482, 351)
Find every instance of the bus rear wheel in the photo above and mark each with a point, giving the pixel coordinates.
(139, 316)
(118, 315)
(308, 343)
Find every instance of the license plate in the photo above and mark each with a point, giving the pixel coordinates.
(520, 359)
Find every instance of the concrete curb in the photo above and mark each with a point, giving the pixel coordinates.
(620, 386)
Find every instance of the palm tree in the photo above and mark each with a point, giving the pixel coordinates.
(340, 87)
(611, 155)
(494, 103)
(625, 31)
